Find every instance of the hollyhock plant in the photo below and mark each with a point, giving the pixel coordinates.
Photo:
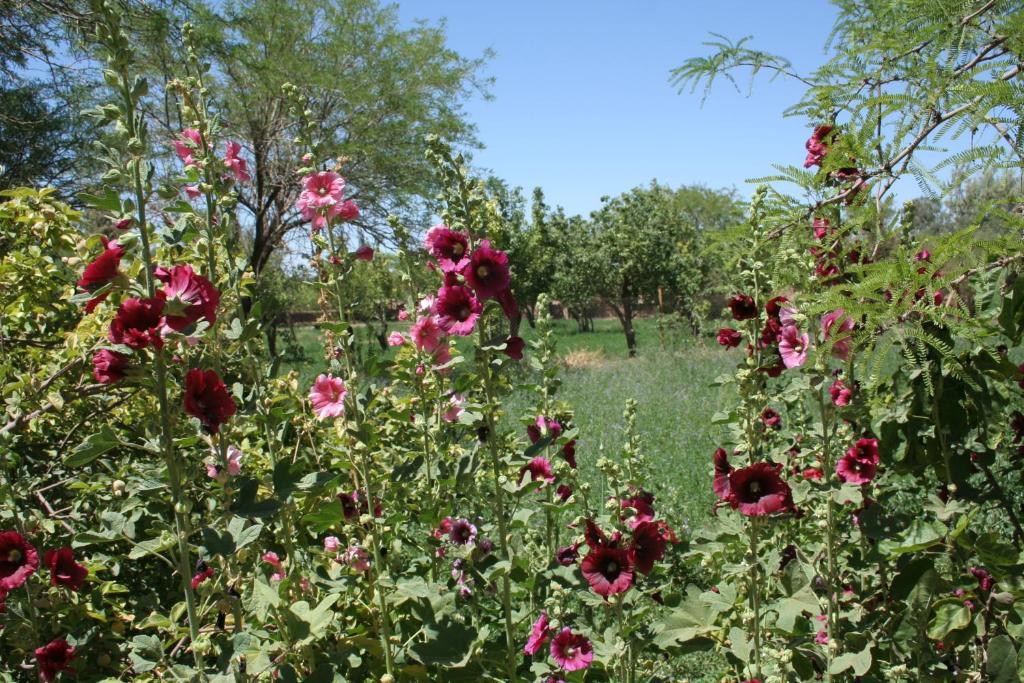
(860, 463)
(647, 547)
(189, 141)
(236, 164)
(457, 310)
(207, 398)
(608, 570)
(771, 419)
(322, 189)
(729, 337)
(109, 367)
(829, 328)
(455, 408)
(101, 272)
(793, 346)
(327, 395)
(742, 307)
(364, 253)
(539, 469)
(396, 339)
(757, 490)
(514, 348)
(539, 634)
(332, 544)
(642, 504)
(137, 323)
(462, 532)
(543, 426)
(53, 658)
(356, 558)
(64, 571)
(571, 651)
(722, 470)
(449, 247)
(18, 560)
(188, 296)
(487, 271)
(840, 393)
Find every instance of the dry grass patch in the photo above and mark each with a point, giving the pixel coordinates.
(581, 359)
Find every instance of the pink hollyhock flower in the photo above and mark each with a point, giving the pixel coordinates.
(722, 471)
(108, 366)
(514, 348)
(571, 651)
(757, 490)
(648, 546)
(729, 337)
(742, 307)
(189, 141)
(328, 396)
(771, 419)
(137, 323)
(840, 393)
(608, 570)
(207, 398)
(462, 532)
(449, 247)
(234, 461)
(203, 572)
(539, 469)
(812, 474)
(817, 146)
(487, 271)
(356, 558)
(457, 310)
(192, 192)
(455, 408)
(793, 346)
(427, 334)
(346, 211)
(124, 223)
(539, 634)
(189, 297)
(53, 658)
(271, 558)
(364, 253)
(860, 463)
(821, 638)
(403, 314)
(322, 189)
(235, 163)
(18, 560)
(332, 544)
(64, 571)
(101, 272)
(842, 346)
(396, 339)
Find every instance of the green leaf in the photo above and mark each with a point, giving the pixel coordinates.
(949, 616)
(919, 536)
(860, 662)
(448, 643)
(92, 447)
(1002, 661)
(325, 517)
(152, 546)
(691, 620)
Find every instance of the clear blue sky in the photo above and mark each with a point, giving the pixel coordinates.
(583, 106)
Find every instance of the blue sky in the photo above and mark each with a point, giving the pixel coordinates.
(582, 102)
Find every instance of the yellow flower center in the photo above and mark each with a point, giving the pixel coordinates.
(457, 249)
(482, 271)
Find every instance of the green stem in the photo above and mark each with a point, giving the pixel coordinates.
(831, 624)
(755, 594)
(376, 568)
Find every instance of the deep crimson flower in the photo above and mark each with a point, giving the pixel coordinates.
(829, 328)
(571, 651)
(648, 546)
(770, 333)
(208, 399)
(462, 532)
(812, 474)
(543, 426)
(203, 572)
(509, 306)
(18, 560)
(821, 228)
(770, 418)
(774, 306)
(563, 492)
(514, 348)
(449, 247)
(53, 658)
(817, 146)
(729, 337)
(487, 271)
(109, 366)
(189, 297)
(539, 468)
(742, 307)
(101, 272)
(865, 449)
(840, 393)
(860, 463)
(457, 310)
(608, 570)
(567, 555)
(539, 634)
(64, 571)
(593, 535)
(722, 471)
(364, 253)
(985, 581)
(137, 323)
(569, 453)
(643, 503)
(758, 490)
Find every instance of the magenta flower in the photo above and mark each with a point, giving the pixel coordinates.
(793, 346)
(53, 658)
(860, 463)
(332, 544)
(192, 192)
(188, 142)
(64, 571)
(449, 247)
(817, 146)
(539, 469)
(356, 558)
(758, 490)
(364, 253)
(455, 408)
(427, 334)
(722, 471)
(328, 396)
(396, 339)
(322, 189)
(457, 310)
(462, 532)
(487, 271)
(840, 393)
(101, 272)
(109, 367)
(235, 163)
(571, 651)
(189, 297)
(539, 634)
(842, 346)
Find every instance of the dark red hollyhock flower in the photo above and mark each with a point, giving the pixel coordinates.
(564, 491)
(771, 418)
(641, 501)
(567, 556)
(101, 272)
(364, 253)
(448, 246)
(593, 535)
(53, 658)
(137, 323)
(548, 425)
(203, 572)
(758, 490)
(64, 571)
(487, 271)
(569, 453)
(821, 228)
(774, 306)
(817, 146)
(508, 304)
(865, 449)
(722, 471)
(457, 309)
(354, 504)
(985, 581)
(109, 366)
(18, 560)
(648, 547)
(189, 296)
(742, 307)
(514, 348)
(729, 337)
(608, 570)
(539, 468)
(208, 399)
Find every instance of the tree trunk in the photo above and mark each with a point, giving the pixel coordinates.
(627, 325)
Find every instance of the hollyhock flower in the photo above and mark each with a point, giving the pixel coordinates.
(455, 408)
(364, 253)
(137, 323)
(328, 396)
(593, 535)
(189, 297)
(101, 272)
(449, 247)
(396, 339)
(840, 393)
(841, 348)
(18, 560)
(462, 532)
(208, 399)
(793, 346)
(514, 348)
(985, 581)
(771, 419)
(722, 471)
(64, 571)
(648, 546)
(569, 453)
(539, 634)
(539, 468)
(729, 337)
(563, 492)
(332, 544)
(865, 449)
(235, 456)
(770, 333)
(53, 658)
(567, 555)
(812, 474)
(427, 334)
(203, 572)
(642, 503)
(742, 307)
(235, 163)
(403, 314)
(192, 192)
(571, 651)
(356, 558)
(608, 570)
(487, 271)
(189, 141)
(860, 463)
(821, 638)
(271, 558)
(108, 366)
(774, 306)
(124, 223)
(817, 146)
(758, 490)
(457, 310)
(543, 426)
(821, 228)
(322, 189)
(346, 211)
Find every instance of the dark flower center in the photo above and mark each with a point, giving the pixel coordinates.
(755, 487)
(14, 555)
(464, 313)
(482, 271)
(458, 248)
